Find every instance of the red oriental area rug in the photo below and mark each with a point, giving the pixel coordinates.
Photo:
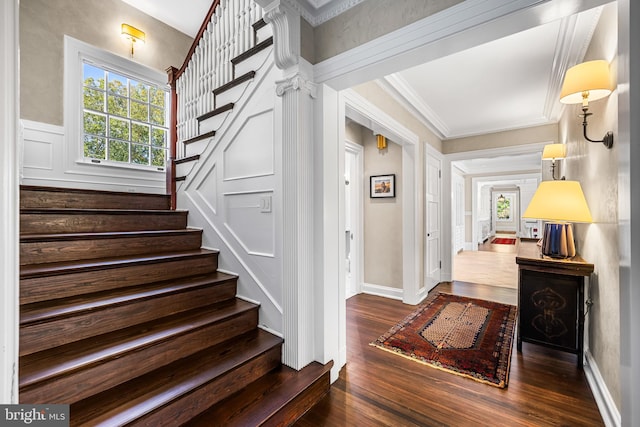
(503, 241)
(465, 336)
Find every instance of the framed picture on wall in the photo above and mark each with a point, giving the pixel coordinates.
(382, 186)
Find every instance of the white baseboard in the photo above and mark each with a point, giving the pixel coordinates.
(608, 410)
(382, 291)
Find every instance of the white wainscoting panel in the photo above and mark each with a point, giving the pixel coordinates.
(250, 220)
(49, 161)
(250, 153)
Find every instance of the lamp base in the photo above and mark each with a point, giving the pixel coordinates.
(557, 240)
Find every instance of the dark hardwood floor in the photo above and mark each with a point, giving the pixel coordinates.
(377, 388)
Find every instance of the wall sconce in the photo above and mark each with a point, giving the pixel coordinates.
(586, 82)
(382, 142)
(559, 203)
(554, 152)
(132, 33)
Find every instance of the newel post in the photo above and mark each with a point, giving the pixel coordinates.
(172, 74)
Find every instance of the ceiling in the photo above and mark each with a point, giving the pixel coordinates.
(506, 84)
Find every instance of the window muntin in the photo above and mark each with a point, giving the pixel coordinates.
(124, 119)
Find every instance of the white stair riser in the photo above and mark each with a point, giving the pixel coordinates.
(231, 95)
(264, 33)
(253, 63)
(213, 123)
(196, 147)
(183, 169)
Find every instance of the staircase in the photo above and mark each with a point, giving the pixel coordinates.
(244, 69)
(125, 317)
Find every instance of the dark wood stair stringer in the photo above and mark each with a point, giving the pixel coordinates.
(125, 317)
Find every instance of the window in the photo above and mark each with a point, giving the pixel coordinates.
(124, 118)
(116, 115)
(503, 208)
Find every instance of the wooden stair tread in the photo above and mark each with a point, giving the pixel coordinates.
(30, 196)
(29, 238)
(235, 82)
(215, 112)
(142, 395)
(78, 211)
(262, 399)
(39, 270)
(187, 159)
(250, 52)
(200, 137)
(260, 23)
(47, 310)
(61, 360)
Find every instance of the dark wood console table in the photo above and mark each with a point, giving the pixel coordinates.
(551, 300)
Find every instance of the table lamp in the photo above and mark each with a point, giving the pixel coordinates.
(559, 203)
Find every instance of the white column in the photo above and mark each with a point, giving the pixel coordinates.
(9, 283)
(297, 92)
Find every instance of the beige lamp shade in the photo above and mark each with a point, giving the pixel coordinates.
(590, 78)
(559, 201)
(554, 151)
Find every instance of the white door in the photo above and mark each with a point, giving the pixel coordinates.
(457, 183)
(353, 218)
(433, 223)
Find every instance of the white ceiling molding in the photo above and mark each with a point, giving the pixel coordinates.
(574, 38)
(400, 90)
(316, 12)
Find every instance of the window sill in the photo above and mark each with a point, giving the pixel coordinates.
(106, 163)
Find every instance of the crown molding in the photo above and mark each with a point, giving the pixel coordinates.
(316, 14)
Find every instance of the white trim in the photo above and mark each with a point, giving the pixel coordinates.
(75, 51)
(361, 110)
(606, 405)
(9, 220)
(382, 291)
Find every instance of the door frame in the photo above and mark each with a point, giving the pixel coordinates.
(364, 112)
(430, 152)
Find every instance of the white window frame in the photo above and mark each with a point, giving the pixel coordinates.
(75, 53)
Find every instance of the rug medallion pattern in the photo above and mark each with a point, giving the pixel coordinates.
(465, 336)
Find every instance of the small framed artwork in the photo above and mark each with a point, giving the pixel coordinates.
(382, 186)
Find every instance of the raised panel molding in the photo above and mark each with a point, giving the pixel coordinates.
(250, 153)
(207, 189)
(249, 218)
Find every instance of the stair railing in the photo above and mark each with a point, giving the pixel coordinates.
(225, 33)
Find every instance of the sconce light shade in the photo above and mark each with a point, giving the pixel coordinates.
(559, 201)
(382, 142)
(554, 151)
(591, 77)
(586, 82)
(133, 34)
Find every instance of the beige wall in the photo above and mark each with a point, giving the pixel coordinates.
(43, 24)
(354, 27)
(536, 134)
(354, 132)
(595, 167)
(382, 217)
